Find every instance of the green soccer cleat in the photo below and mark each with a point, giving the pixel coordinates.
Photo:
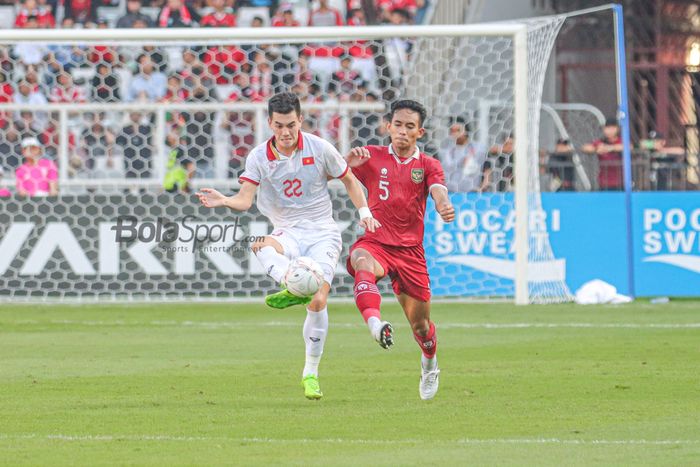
(284, 298)
(311, 388)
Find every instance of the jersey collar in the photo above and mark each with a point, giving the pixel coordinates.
(415, 155)
(274, 155)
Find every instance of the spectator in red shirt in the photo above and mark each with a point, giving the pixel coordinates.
(356, 17)
(345, 81)
(221, 17)
(6, 92)
(175, 14)
(175, 93)
(285, 18)
(385, 7)
(325, 15)
(30, 8)
(609, 152)
(82, 11)
(65, 92)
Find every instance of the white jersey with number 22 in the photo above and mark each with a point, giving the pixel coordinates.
(293, 191)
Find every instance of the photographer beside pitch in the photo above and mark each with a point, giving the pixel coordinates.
(398, 179)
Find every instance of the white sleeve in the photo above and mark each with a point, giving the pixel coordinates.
(252, 172)
(333, 162)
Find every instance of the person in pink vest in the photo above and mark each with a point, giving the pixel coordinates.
(4, 192)
(38, 176)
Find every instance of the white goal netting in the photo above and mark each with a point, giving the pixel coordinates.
(124, 128)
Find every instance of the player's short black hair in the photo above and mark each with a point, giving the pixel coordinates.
(409, 104)
(611, 121)
(283, 103)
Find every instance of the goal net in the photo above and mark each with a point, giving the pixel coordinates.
(118, 122)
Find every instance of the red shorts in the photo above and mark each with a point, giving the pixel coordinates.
(405, 265)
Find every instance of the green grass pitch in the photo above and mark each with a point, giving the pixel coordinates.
(203, 384)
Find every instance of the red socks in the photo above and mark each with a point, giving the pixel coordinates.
(368, 301)
(367, 296)
(428, 343)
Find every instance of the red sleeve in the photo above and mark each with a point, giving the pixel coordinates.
(20, 20)
(50, 19)
(363, 171)
(434, 173)
(338, 18)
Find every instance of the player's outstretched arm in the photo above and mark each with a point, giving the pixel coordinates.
(357, 196)
(442, 203)
(357, 156)
(241, 201)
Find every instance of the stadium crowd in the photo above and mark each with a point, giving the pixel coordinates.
(121, 144)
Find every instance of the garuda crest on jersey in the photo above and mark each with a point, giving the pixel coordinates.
(417, 175)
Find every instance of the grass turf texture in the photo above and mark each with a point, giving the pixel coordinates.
(220, 384)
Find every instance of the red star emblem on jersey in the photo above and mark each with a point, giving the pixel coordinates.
(307, 160)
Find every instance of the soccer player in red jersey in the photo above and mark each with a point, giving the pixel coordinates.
(399, 179)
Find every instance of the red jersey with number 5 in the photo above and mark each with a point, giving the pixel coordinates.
(397, 192)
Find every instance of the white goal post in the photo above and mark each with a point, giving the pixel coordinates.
(521, 74)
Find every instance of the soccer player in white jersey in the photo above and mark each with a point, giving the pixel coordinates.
(290, 172)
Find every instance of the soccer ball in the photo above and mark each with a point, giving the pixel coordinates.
(304, 277)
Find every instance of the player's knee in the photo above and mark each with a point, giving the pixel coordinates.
(360, 261)
(420, 327)
(319, 302)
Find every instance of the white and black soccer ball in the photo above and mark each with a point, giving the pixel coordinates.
(304, 277)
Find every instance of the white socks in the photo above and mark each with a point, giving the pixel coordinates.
(428, 364)
(375, 325)
(315, 330)
(275, 264)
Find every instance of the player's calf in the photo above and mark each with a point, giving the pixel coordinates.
(269, 253)
(368, 300)
(429, 379)
(427, 341)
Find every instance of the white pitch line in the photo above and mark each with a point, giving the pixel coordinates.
(441, 325)
(456, 442)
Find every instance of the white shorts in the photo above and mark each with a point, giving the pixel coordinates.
(323, 246)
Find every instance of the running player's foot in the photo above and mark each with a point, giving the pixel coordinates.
(385, 336)
(284, 298)
(312, 390)
(429, 382)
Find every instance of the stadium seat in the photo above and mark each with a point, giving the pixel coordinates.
(82, 75)
(151, 12)
(301, 14)
(7, 16)
(340, 5)
(223, 91)
(110, 14)
(246, 15)
(174, 57)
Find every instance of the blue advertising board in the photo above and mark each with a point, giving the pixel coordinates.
(588, 238)
(666, 228)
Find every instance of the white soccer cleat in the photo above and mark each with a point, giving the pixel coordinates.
(429, 382)
(384, 335)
